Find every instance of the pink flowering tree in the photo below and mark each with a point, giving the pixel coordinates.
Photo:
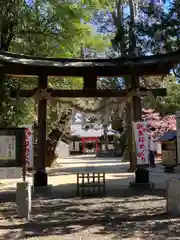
(158, 125)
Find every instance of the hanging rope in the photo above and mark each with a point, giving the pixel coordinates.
(141, 93)
(150, 95)
(98, 104)
(41, 94)
(93, 105)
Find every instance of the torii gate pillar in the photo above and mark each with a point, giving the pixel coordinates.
(40, 176)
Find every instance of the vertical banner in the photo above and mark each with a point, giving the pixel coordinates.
(29, 151)
(178, 135)
(141, 139)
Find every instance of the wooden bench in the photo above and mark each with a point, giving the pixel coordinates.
(91, 184)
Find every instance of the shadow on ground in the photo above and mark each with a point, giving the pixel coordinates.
(100, 168)
(97, 166)
(10, 173)
(93, 160)
(123, 213)
(130, 214)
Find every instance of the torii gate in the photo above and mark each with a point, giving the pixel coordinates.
(89, 70)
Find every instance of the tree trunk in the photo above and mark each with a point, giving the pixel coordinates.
(61, 132)
(129, 130)
(134, 84)
(118, 17)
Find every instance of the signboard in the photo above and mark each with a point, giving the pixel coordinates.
(141, 139)
(178, 135)
(8, 147)
(29, 150)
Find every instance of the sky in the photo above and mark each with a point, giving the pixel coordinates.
(106, 18)
(166, 4)
(30, 2)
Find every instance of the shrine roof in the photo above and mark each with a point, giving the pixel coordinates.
(77, 130)
(168, 136)
(18, 64)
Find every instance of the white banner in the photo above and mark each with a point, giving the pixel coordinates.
(8, 147)
(141, 139)
(178, 135)
(29, 152)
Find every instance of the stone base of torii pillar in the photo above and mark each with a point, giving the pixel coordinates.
(142, 179)
(40, 183)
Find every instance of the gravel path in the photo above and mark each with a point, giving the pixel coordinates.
(130, 216)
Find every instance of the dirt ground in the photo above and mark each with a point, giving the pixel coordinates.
(131, 215)
(64, 174)
(123, 214)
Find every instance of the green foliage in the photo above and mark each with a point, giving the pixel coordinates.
(46, 28)
(139, 29)
(171, 103)
(14, 112)
(62, 29)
